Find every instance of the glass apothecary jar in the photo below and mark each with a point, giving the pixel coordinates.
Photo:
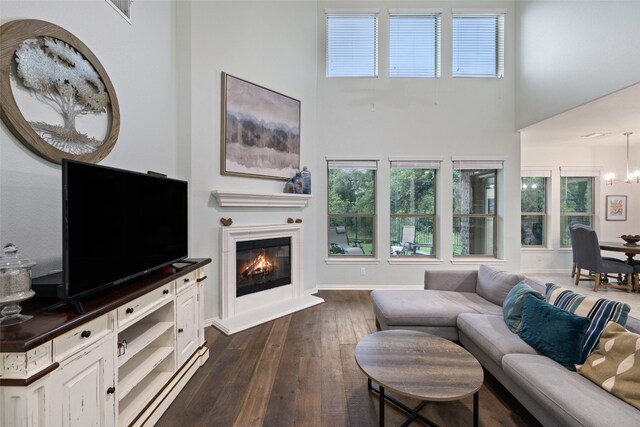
(15, 284)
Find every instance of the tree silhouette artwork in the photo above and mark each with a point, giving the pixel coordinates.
(59, 76)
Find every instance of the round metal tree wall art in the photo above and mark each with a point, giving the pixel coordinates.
(56, 97)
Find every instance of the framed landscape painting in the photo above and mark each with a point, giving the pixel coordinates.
(616, 208)
(260, 131)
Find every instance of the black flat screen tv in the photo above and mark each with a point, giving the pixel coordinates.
(118, 225)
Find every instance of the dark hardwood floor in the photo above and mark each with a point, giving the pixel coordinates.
(300, 370)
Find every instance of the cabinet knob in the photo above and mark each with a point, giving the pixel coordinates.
(165, 292)
(186, 280)
(200, 279)
(129, 310)
(111, 390)
(85, 334)
(180, 330)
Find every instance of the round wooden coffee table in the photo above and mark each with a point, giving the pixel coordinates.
(421, 366)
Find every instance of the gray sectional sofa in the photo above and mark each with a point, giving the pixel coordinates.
(466, 306)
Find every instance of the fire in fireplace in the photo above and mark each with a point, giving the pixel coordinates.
(262, 264)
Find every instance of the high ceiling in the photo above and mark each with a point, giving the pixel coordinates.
(606, 119)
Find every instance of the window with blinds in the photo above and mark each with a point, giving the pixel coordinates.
(351, 190)
(413, 207)
(478, 44)
(414, 44)
(352, 44)
(475, 211)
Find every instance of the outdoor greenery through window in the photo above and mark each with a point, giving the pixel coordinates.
(478, 44)
(576, 205)
(474, 208)
(351, 199)
(413, 199)
(533, 208)
(352, 44)
(414, 44)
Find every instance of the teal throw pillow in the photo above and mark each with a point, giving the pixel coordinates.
(514, 303)
(554, 332)
(599, 311)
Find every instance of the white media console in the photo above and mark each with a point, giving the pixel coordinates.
(120, 363)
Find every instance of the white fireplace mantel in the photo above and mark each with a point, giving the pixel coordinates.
(240, 313)
(263, 200)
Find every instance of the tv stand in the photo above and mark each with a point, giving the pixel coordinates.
(125, 354)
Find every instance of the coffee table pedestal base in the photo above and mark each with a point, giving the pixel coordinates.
(413, 413)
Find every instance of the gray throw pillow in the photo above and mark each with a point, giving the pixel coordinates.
(494, 285)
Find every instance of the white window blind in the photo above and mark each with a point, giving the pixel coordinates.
(578, 171)
(352, 44)
(414, 44)
(477, 164)
(352, 164)
(478, 44)
(416, 164)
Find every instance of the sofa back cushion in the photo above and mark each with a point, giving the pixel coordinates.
(556, 333)
(494, 285)
(598, 310)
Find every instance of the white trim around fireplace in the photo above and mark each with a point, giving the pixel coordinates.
(240, 313)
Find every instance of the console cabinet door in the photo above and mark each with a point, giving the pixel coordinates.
(86, 392)
(187, 315)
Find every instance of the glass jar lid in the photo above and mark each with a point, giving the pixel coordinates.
(12, 259)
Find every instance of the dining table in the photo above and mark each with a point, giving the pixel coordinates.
(630, 250)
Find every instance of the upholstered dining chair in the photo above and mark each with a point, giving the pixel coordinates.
(589, 257)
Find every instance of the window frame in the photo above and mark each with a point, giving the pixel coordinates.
(563, 195)
(436, 16)
(422, 164)
(344, 14)
(494, 165)
(545, 176)
(500, 23)
(366, 164)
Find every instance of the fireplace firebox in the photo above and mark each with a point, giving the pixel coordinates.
(262, 264)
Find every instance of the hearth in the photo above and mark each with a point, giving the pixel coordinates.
(262, 264)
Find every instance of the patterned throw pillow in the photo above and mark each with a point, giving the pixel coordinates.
(615, 364)
(599, 310)
(514, 303)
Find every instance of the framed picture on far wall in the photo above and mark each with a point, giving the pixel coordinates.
(616, 208)
(260, 131)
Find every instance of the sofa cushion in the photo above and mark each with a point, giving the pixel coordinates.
(554, 332)
(615, 364)
(427, 307)
(566, 397)
(514, 303)
(492, 336)
(598, 310)
(494, 285)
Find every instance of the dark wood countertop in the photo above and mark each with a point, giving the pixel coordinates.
(48, 323)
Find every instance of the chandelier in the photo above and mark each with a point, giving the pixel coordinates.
(610, 178)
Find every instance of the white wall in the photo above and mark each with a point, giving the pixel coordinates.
(572, 52)
(606, 158)
(140, 61)
(269, 43)
(406, 116)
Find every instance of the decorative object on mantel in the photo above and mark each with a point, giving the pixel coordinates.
(630, 177)
(306, 180)
(297, 183)
(263, 200)
(226, 221)
(15, 285)
(260, 131)
(290, 220)
(298, 220)
(616, 208)
(289, 187)
(630, 239)
(56, 97)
